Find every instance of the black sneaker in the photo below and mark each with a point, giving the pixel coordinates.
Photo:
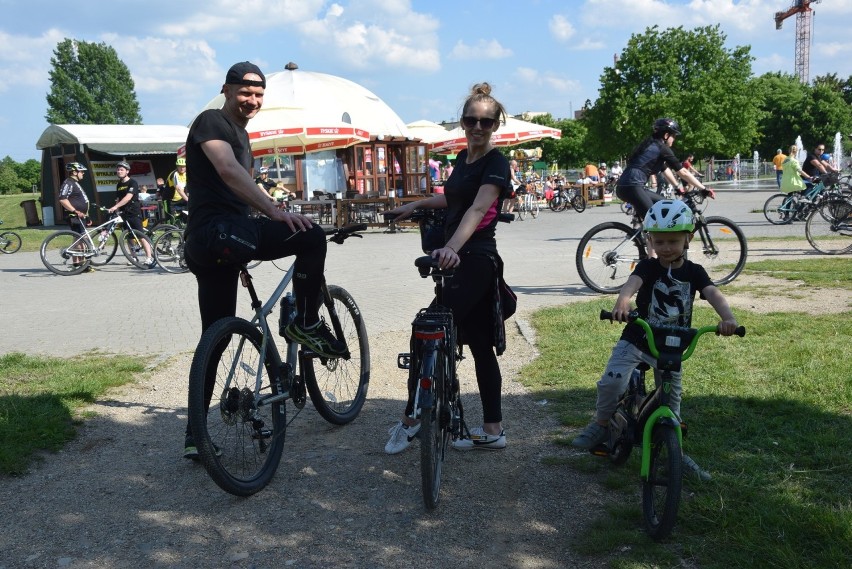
(317, 338)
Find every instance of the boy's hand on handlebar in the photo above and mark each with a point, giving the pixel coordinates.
(621, 309)
(727, 327)
(447, 258)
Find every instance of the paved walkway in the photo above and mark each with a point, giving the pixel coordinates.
(120, 309)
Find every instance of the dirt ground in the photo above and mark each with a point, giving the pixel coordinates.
(121, 496)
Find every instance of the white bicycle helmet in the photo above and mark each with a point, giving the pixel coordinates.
(668, 216)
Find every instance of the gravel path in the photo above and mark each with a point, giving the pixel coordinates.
(120, 495)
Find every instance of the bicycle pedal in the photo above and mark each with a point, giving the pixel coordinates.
(262, 434)
(600, 450)
(403, 361)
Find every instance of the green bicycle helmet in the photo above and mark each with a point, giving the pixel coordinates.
(75, 167)
(669, 216)
(180, 162)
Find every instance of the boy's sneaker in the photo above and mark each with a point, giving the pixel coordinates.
(149, 261)
(691, 467)
(190, 451)
(481, 440)
(592, 436)
(401, 436)
(317, 338)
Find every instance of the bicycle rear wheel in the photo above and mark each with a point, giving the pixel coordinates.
(723, 249)
(434, 427)
(338, 386)
(65, 253)
(239, 438)
(829, 227)
(10, 242)
(578, 202)
(780, 209)
(534, 207)
(168, 251)
(661, 491)
(521, 210)
(132, 245)
(607, 255)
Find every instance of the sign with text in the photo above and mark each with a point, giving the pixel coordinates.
(103, 173)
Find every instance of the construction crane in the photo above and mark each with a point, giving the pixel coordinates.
(804, 24)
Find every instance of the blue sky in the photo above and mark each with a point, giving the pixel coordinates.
(420, 57)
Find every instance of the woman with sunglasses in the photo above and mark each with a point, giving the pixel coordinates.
(472, 197)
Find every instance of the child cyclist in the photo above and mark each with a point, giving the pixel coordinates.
(665, 287)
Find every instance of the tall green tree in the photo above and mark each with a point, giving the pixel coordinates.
(568, 151)
(687, 75)
(90, 85)
(784, 102)
(17, 177)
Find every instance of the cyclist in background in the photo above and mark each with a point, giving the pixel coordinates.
(127, 201)
(74, 200)
(176, 184)
(665, 290)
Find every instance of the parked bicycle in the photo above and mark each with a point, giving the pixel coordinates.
(10, 241)
(645, 420)
(829, 226)
(608, 252)
(65, 252)
(527, 201)
(564, 196)
(240, 437)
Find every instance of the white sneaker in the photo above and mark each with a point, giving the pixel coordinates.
(401, 436)
(481, 440)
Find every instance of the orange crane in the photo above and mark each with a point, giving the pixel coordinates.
(804, 24)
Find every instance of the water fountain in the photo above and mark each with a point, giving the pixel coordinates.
(838, 152)
(756, 158)
(801, 154)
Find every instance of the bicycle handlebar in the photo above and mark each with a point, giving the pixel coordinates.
(342, 234)
(420, 214)
(633, 316)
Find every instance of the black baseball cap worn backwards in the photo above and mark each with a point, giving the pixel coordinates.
(239, 70)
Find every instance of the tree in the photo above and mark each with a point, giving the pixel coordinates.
(90, 85)
(686, 75)
(16, 177)
(568, 150)
(784, 102)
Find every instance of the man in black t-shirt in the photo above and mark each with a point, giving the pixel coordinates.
(127, 202)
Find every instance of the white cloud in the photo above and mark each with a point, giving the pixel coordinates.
(25, 60)
(534, 80)
(560, 28)
(483, 49)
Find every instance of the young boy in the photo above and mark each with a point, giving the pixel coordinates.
(666, 287)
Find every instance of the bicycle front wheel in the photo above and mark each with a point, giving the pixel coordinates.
(338, 386)
(780, 209)
(661, 491)
(106, 245)
(10, 242)
(534, 208)
(557, 203)
(607, 255)
(829, 227)
(723, 249)
(578, 202)
(168, 251)
(133, 246)
(65, 253)
(521, 211)
(238, 433)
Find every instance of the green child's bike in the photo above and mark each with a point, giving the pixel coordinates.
(645, 420)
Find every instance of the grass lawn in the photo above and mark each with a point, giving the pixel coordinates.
(770, 415)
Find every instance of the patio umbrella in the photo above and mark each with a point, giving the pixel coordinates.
(304, 111)
(514, 132)
(427, 131)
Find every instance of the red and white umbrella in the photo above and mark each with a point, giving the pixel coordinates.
(514, 132)
(305, 112)
(427, 131)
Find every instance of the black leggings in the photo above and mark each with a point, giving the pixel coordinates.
(639, 197)
(469, 295)
(217, 283)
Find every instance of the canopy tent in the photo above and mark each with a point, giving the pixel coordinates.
(513, 132)
(119, 139)
(305, 111)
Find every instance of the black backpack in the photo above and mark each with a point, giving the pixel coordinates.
(167, 191)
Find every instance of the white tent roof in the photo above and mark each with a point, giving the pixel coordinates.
(117, 138)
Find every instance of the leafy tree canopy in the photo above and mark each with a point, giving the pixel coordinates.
(90, 85)
(687, 75)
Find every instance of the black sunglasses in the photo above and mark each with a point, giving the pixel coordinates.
(486, 123)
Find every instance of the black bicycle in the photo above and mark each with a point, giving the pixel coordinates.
(239, 384)
(10, 241)
(608, 252)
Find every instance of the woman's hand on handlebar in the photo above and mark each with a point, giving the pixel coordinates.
(401, 212)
